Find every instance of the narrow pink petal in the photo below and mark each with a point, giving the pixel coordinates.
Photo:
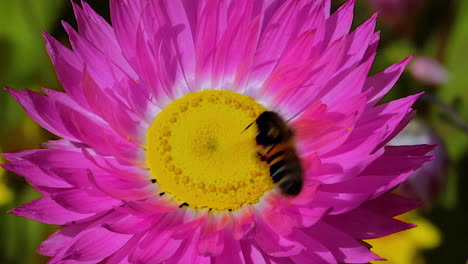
(274, 217)
(344, 247)
(232, 253)
(121, 255)
(43, 111)
(36, 176)
(154, 205)
(122, 189)
(57, 243)
(364, 224)
(125, 15)
(359, 43)
(391, 204)
(396, 173)
(339, 23)
(377, 125)
(78, 177)
(283, 27)
(341, 87)
(68, 66)
(104, 71)
(147, 67)
(274, 244)
(342, 202)
(97, 31)
(211, 243)
(188, 252)
(85, 200)
(165, 51)
(212, 22)
(178, 42)
(292, 88)
(53, 158)
(342, 165)
(232, 45)
(305, 215)
(157, 245)
(319, 131)
(252, 254)
(130, 224)
(380, 83)
(243, 222)
(315, 252)
(106, 141)
(46, 210)
(90, 247)
(242, 73)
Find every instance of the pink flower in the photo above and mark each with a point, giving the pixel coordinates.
(155, 165)
(428, 70)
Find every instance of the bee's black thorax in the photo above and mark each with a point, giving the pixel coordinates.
(276, 140)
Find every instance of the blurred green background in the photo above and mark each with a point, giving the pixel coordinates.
(435, 29)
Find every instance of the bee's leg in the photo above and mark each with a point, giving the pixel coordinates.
(262, 157)
(247, 127)
(184, 204)
(272, 147)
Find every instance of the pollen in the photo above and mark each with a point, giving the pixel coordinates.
(200, 153)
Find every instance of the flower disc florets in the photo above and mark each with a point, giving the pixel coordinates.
(200, 153)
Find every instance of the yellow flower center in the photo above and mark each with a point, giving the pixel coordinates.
(199, 154)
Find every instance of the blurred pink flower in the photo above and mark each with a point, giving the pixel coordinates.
(428, 70)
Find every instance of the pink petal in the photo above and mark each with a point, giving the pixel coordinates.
(157, 245)
(36, 176)
(97, 31)
(232, 253)
(85, 200)
(122, 189)
(344, 247)
(390, 204)
(315, 252)
(68, 66)
(339, 23)
(46, 210)
(274, 244)
(380, 83)
(130, 224)
(364, 224)
(90, 247)
(252, 254)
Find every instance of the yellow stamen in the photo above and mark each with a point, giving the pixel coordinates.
(199, 154)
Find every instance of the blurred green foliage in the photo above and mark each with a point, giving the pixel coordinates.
(439, 31)
(23, 63)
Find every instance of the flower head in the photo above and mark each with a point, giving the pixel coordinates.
(158, 162)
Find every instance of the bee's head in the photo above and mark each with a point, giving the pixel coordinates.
(272, 129)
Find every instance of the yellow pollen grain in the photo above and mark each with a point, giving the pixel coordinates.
(200, 155)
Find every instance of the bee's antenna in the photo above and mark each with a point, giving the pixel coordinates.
(248, 127)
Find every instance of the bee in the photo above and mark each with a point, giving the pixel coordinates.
(276, 141)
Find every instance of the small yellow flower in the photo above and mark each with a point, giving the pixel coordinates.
(5, 193)
(405, 247)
